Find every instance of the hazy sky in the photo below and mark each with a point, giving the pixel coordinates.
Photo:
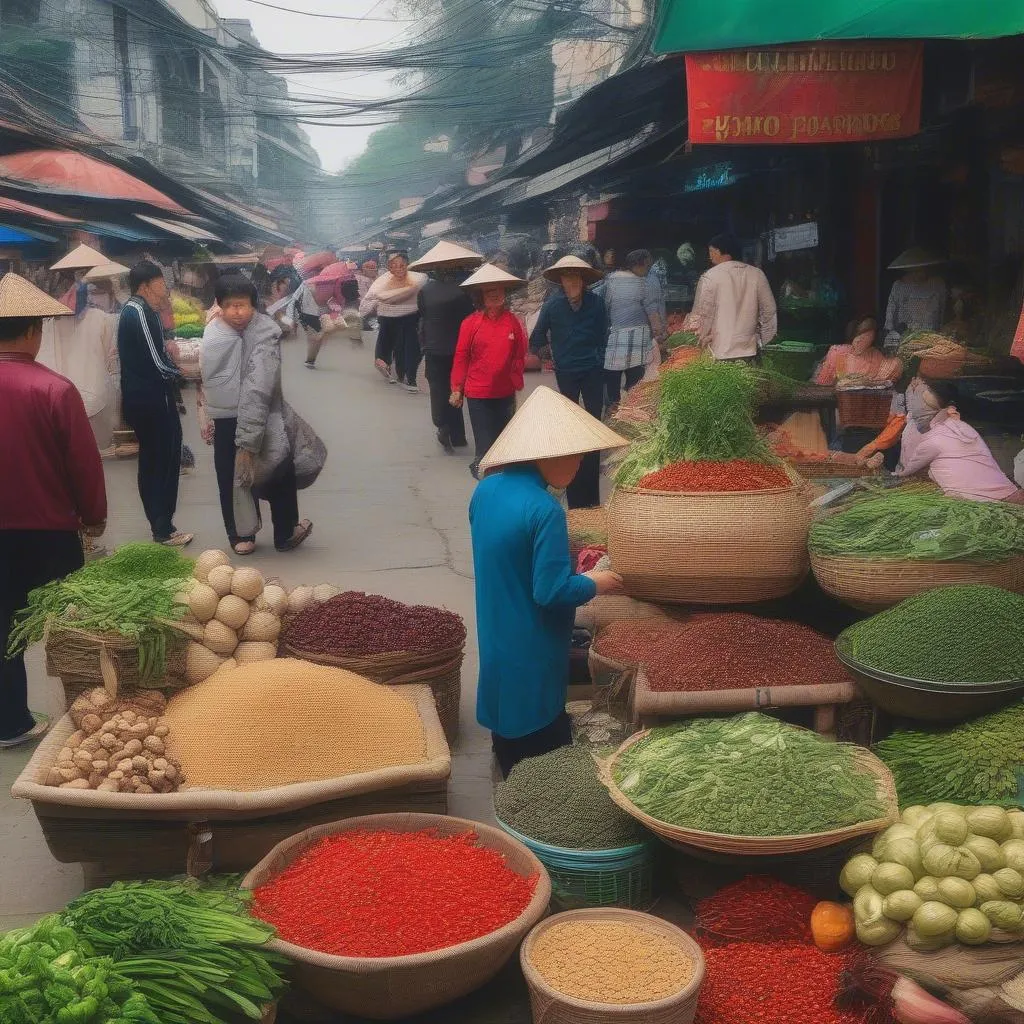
(372, 27)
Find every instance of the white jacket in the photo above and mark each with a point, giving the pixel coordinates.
(735, 310)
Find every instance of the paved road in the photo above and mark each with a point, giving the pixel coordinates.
(390, 517)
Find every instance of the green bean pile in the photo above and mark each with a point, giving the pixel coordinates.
(973, 763)
(927, 527)
(749, 775)
(967, 634)
(705, 412)
(558, 799)
(125, 593)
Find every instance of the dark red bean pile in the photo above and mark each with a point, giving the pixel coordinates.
(722, 651)
(355, 624)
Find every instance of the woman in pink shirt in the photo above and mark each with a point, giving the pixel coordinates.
(953, 452)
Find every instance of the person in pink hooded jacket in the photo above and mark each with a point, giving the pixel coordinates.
(953, 452)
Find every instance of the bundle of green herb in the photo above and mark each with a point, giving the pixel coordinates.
(749, 775)
(926, 526)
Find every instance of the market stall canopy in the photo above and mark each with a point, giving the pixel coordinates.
(190, 232)
(688, 25)
(70, 173)
(82, 257)
(28, 210)
(14, 236)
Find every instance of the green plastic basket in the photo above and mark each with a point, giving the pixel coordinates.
(792, 362)
(597, 878)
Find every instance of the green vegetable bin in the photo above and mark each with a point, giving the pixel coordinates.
(794, 359)
(622, 877)
(926, 700)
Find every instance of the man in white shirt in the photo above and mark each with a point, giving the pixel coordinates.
(734, 307)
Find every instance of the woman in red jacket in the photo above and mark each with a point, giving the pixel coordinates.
(489, 359)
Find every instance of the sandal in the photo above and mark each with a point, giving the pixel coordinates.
(177, 540)
(244, 547)
(302, 531)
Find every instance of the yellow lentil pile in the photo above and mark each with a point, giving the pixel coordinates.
(610, 962)
(273, 723)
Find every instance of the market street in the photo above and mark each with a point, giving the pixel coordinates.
(390, 518)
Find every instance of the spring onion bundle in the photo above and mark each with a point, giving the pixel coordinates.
(705, 412)
(973, 763)
(127, 593)
(927, 527)
(966, 634)
(749, 775)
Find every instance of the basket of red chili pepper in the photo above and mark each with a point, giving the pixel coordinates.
(390, 915)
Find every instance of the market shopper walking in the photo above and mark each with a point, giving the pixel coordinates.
(735, 310)
(574, 322)
(392, 297)
(489, 359)
(526, 591)
(241, 366)
(443, 305)
(53, 484)
(149, 399)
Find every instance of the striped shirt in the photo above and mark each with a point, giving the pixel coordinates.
(631, 301)
(147, 373)
(403, 305)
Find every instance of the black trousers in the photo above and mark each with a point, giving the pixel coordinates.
(613, 382)
(157, 428)
(280, 493)
(442, 413)
(588, 385)
(398, 341)
(28, 559)
(489, 417)
(510, 752)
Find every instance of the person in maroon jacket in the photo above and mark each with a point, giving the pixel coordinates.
(489, 359)
(51, 484)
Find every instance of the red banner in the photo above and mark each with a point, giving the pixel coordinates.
(853, 92)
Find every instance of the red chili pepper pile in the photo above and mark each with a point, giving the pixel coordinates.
(701, 476)
(355, 624)
(757, 908)
(722, 651)
(377, 894)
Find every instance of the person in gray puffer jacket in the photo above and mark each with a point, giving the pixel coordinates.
(252, 447)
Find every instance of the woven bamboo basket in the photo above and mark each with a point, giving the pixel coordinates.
(759, 846)
(873, 585)
(825, 469)
(84, 660)
(711, 548)
(440, 670)
(550, 1006)
(863, 407)
(388, 988)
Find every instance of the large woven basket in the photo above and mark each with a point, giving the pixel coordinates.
(872, 585)
(553, 1007)
(863, 407)
(85, 660)
(712, 548)
(388, 988)
(440, 670)
(757, 846)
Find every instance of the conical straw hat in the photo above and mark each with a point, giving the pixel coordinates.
(548, 426)
(490, 274)
(914, 258)
(446, 254)
(83, 257)
(105, 271)
(19, 297)
(576, 265)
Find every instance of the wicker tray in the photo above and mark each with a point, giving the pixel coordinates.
(873, 585)
(825, 469)
(145, 835)
(553, 1007)
(755, 846)
(388, 988)
(709, 548)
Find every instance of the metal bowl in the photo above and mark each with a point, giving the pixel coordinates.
(929, 700)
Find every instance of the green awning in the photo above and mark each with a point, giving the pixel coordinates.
(685, 26)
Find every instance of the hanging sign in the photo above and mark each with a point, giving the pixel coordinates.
(854, 92)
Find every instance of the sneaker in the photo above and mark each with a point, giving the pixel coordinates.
(37, 732)
(411, 388)
(310, 365)
(384, 370)
(474, 471)
(444, 439)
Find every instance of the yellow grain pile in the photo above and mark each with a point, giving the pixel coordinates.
(609, 962)
(272, 723)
